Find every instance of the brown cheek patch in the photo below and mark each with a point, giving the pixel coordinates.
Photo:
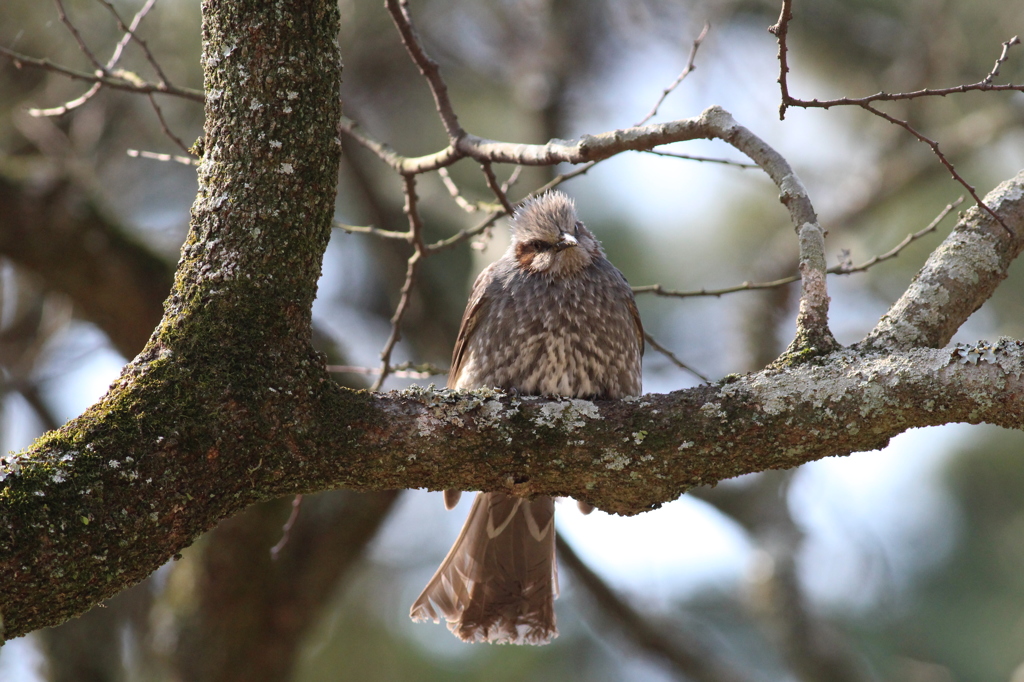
(525, 256)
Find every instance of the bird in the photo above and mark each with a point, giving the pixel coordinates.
(550, 317)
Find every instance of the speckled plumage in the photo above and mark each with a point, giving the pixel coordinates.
(551, 317)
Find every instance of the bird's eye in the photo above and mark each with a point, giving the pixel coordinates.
(576, 227)
(538, 245)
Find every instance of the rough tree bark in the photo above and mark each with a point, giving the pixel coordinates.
(229, 405)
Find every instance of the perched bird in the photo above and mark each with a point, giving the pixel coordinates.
(551, 317)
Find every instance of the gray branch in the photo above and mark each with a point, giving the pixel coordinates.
(813, 333)
(959, 276)
(102, 503)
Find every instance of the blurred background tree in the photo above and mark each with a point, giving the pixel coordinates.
(899, 565)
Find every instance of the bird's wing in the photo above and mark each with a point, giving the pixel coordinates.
(475, 308)
(627, 292)
(639, 325)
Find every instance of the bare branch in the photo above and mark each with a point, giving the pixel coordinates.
(679, 79)
(895, 251)
(812, 319)
(119, 80)
(166, 128)
(513, 178)
(406, 370)
(780, 30)
(415, 237)
(370, 229)
(841, 269)
(703, 159)
(130, 31)
(672, 357)
(481, 440)
(82, 46)
(957, 278)
(453, 191)
(499, 192)
(563, 177)
(186, 160)
(111, 63)
(463, 235)
(399, 10)
(658, 290)
(714, 122)
(69, 105)
(942, 158)
(1003, 56)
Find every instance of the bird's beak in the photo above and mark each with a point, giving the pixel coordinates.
(566, 242)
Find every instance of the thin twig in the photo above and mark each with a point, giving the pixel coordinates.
(453, 190)
(1003, 56)
(111, 63)
(402, 164)
(370, 229)
(69, 105)
(82, 46)
(841, 269)
(780, 30)
(415, 237)
(166, 128)
(463, 235)
(120, 80)
(286, 530)
(399, 10)
(513, 178)
(492, 182)
(412, 267)
(185, 160)
(486, 224)
(658, 290)
(895, 251)
(679, 79)
(138, 41)
(406, 370)
(129, 32)
(383, 151)
(984, 85)
(703, 159)
(672, 357)
(563, 177)
(934, 146)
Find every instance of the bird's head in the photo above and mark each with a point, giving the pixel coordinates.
(548, 237)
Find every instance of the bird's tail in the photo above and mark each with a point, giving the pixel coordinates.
(499, 580)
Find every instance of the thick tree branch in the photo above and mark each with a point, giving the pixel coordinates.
(959, 276)
(234, 344)
(228, 407)
(102, 503)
